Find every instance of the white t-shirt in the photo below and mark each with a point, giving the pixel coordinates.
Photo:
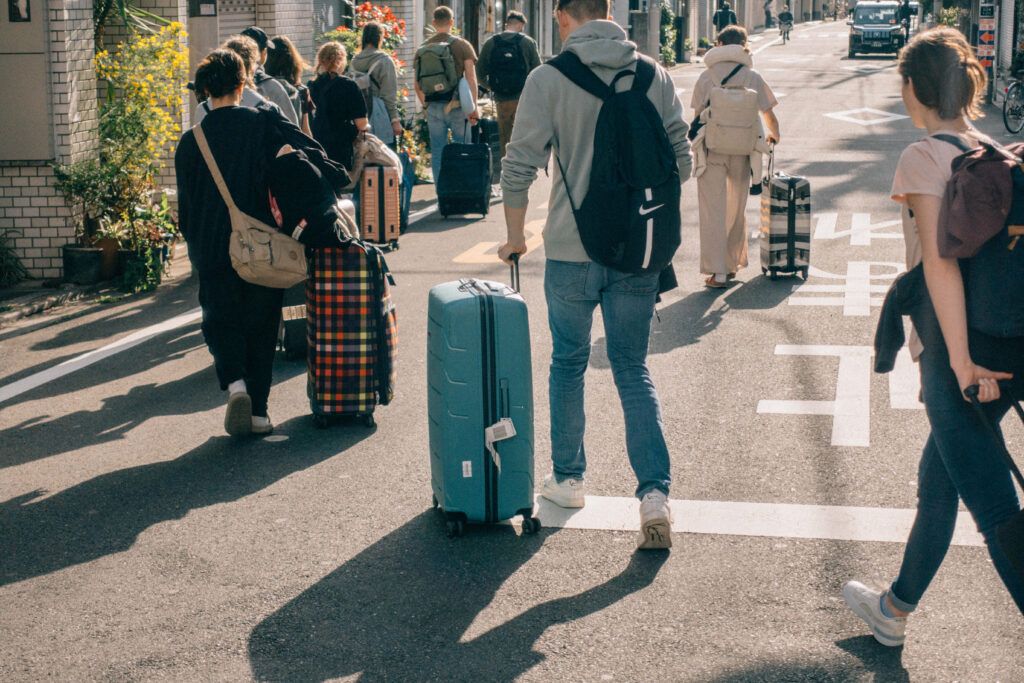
(924, 168)
(250, 98)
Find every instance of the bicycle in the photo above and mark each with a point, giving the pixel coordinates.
(1013, 107)
(784, 29)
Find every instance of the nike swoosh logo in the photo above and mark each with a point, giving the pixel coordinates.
(643, 210)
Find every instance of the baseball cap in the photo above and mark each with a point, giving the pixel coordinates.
(260, 36)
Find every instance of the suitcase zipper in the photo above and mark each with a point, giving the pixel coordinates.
(487, 366)
(791, 226)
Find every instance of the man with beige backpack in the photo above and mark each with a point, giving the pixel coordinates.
(730, 101)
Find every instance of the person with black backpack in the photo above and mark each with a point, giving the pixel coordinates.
(613, 226)
(267, 85)
(340, 113)
(724, 16)
(506, 59)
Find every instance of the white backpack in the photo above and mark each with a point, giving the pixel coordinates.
(732, 119)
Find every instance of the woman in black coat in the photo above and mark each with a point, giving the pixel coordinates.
(240, 319)
(340, 107)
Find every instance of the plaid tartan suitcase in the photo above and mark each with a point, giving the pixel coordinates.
(480, 404)
(785, 223)
(353, 333)
(380, 217)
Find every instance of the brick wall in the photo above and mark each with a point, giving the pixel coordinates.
(29, 202)
(292, 18)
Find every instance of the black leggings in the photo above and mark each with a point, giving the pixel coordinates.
(240, 324)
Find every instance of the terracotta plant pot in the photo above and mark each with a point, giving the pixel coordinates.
(82, 264)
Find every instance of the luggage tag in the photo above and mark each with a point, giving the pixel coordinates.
(499, 431)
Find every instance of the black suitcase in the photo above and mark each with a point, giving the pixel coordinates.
(465, 182)
(293, 332)
(486, 132)
(1009, 534)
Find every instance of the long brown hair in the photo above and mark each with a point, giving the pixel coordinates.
(945, 74)
(284, 61)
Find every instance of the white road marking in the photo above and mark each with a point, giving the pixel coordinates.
(778, 520)
(422, 213)
(905, 383)
(851, 409)
(866, 116)
(857, 289)
(861, 231)
(866, 69)
(67, 367)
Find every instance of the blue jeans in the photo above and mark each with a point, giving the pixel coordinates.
(573, 291)
(960, 461)
(439, 123)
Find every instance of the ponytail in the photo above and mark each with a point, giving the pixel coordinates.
(945, 74)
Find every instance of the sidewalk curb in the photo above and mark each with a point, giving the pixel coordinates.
(46, 302)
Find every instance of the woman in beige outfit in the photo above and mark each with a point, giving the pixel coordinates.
(724, 181)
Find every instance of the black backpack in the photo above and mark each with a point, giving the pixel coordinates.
(507, 69)
(320, 123)
(629, 219)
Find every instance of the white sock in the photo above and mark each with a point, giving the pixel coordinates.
(721, 277)
(236, 386)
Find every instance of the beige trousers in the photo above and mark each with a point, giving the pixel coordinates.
(722, 196)
(506, 118)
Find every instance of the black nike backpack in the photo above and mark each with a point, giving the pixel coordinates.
(629, 218)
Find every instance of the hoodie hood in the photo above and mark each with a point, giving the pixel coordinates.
(601, 43)
(728, 53)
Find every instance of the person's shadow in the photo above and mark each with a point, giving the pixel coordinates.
(106, 514)
(399, 610)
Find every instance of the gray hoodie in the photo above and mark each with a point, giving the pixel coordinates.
(556, 114)
(384, 72)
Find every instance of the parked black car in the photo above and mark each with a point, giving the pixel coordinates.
(875, 28)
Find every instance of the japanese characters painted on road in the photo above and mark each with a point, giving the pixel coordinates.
(858, 292)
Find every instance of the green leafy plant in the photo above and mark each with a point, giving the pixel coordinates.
(687, 45)
(667, 34)
(108, 299)
(12, 270)
(136, 19)
(149, 232)
(704, 43)
(951, 16)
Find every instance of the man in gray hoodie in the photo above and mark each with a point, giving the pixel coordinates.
(556, 115)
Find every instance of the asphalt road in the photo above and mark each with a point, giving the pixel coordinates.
(138, 542)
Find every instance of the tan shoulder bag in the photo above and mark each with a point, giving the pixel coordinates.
(259, 253)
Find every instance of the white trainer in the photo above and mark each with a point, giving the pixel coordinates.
(238, 417)
(866, 604)
(655, 521)
(261, 426)
(566, 494)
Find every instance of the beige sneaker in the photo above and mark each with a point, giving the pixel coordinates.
(566, 494)
(238, 417)
(655, 521)
(261, 426)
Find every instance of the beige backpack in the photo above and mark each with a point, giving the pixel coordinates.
(259, 253)
(731, 118)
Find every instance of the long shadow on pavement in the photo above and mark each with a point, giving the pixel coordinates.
(398, 611)
(106, 514)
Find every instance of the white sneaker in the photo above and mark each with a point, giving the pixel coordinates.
(655, 521)
(261, 425)
(238, 417)
(567, 494)
(866, 604)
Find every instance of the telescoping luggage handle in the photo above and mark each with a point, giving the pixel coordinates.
(515, 271)
(972, 393)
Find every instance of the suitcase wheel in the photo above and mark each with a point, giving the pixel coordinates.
(321, 421)
(764, 271)
(774, 274)
(368, 421)
(454, 528)
(433, 501)
(531, 525)
(803, 271)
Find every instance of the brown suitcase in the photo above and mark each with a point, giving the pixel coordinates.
(379, 214)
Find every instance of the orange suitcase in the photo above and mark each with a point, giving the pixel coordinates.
(379, 215)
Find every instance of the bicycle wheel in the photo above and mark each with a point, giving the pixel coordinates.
(1013, 108)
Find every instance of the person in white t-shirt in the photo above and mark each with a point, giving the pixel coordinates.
(942, 85)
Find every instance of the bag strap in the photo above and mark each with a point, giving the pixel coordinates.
(644, 74)
(955, 141)
(720, 84)
(569, 64)
(211, 163)
(972, 394)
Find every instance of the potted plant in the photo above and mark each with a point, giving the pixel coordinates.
(702, 46)
(687, 50)
(148, 235)
(85, 185)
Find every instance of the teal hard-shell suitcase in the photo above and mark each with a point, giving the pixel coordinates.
(479, 372)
